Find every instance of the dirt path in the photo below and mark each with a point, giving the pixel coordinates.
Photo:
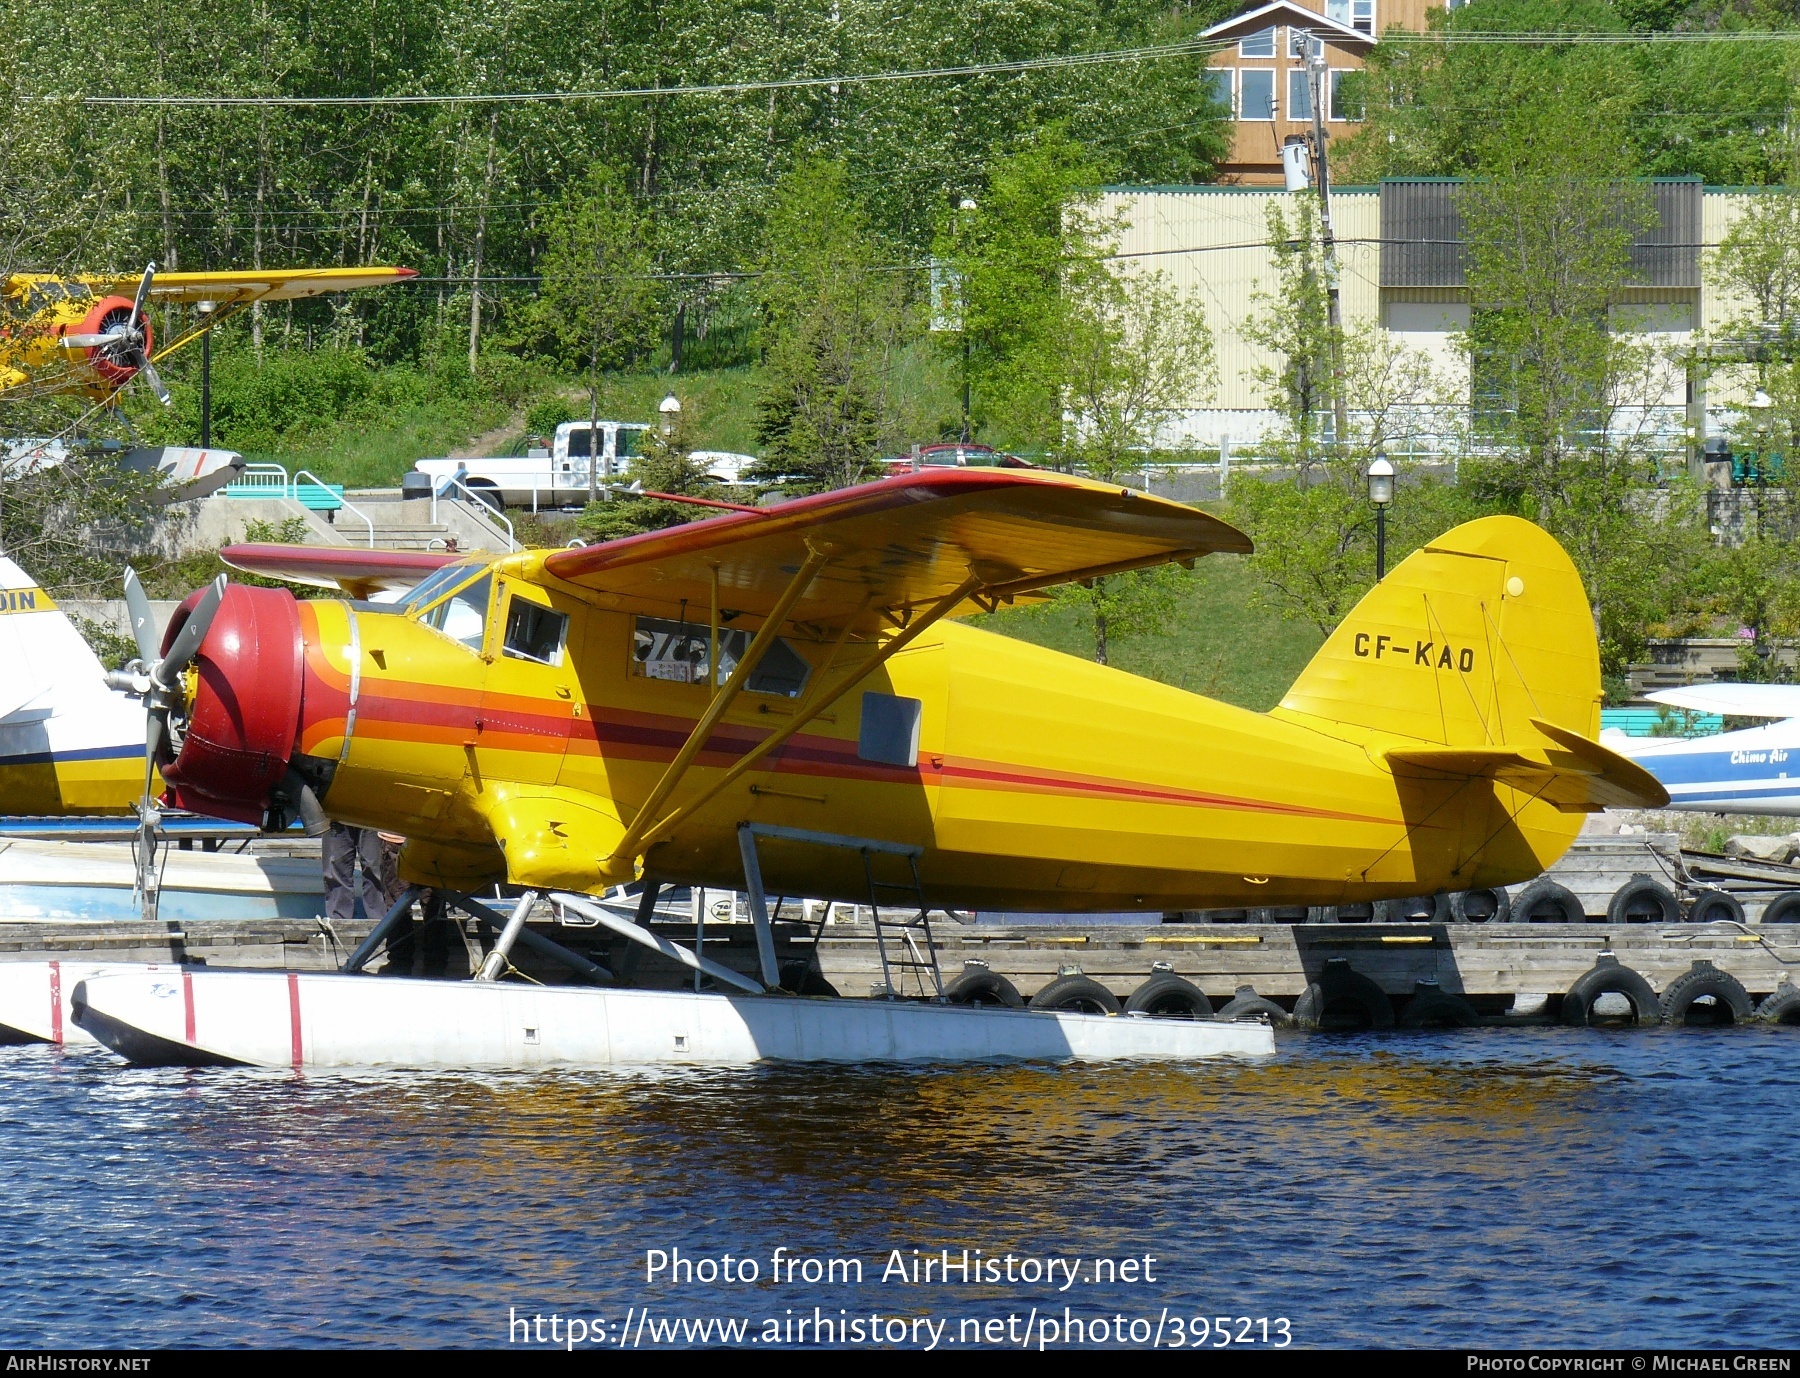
(480, 446)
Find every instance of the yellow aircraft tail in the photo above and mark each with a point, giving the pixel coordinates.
(1478, 652)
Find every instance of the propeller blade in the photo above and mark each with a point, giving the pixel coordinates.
(154, 379)
(143, 621)
(143, 291)
(105, 337)
(193, 632)
(156, 728)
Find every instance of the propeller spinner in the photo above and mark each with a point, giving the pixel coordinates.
(125, 341)
(221, 752)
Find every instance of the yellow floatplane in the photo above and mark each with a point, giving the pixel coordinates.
(774, 697)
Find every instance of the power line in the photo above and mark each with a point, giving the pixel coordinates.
(1187, 48)
(1546, 37)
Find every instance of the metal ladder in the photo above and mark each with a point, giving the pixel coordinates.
(907, 961)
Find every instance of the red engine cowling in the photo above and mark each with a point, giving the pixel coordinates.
(108, 314)
(245, 715)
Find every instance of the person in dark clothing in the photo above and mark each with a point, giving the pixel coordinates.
(343, 848)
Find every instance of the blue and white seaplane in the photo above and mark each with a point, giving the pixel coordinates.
(1755, 770)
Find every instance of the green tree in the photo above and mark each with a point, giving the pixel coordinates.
(599, 299)
(666, 464)
(1664, 109)
(837, 320)
(1310, 515)
(1020, 256)
(1565, 388)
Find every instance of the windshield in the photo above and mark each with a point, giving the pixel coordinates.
(463, 616)
(435, 585)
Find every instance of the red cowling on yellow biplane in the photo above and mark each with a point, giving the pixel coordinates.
(569, 719)
(90, 334)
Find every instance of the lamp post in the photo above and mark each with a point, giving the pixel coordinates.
(964, 210)
(670, 408)
(205, 309)
(1381, 493)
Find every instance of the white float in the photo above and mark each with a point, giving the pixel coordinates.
(294, 1019)
(35, 998)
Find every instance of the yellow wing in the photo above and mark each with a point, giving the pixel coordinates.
(275, 284)
(900, 544)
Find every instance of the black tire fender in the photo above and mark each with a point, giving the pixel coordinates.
(1731, 1002)
(1247, 1004)
(1415, 909)
(1713, 905)
(1783, 909)
(1606, 977)
(1076, 994)
(979, 986)
(1432, 1007)
(1783, 1007)
(1484, 904)
(1166, 996)
(1544, 901)
(1343, 998)
(1643, 899)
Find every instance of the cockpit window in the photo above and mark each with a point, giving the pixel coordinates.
(534, 632)
(678, 650)
(435, 585)
(463, 616)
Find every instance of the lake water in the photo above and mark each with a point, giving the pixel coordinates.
(1494, 1187)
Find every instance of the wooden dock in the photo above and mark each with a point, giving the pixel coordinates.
(1489, 965)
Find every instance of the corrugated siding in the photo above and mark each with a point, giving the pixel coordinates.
(1421, 235)
(1212, 242)
(1668, 254)
(1422, 232)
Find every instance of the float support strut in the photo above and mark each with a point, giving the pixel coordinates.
(503, 945)
(377, 935)
(534, 942)
(759, 907)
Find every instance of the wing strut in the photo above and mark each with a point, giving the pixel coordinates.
(815, 706)
(632, 843)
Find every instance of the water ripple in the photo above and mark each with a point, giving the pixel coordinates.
(1550, 1187)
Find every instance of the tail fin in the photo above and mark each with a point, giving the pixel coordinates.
(1480, 648)
(43, 658)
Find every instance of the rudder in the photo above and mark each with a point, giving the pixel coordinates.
(1463, 644)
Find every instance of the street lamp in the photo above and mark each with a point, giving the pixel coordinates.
(1381, 493)
(671, 413)
(206, 308)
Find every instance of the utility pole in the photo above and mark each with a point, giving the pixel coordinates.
(1319, 83)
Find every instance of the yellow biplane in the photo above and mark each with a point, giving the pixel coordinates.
(91, 334)
(780, 698)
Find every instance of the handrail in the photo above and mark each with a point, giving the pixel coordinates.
(512, 542)
(251, 472)
(362, 516)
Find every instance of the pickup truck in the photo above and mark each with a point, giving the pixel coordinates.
(558, 475)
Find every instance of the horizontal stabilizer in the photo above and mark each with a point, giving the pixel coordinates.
(1573, 773)
(1735, 700)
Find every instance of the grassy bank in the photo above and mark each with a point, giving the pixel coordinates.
(1218, 644)
(373, 451)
